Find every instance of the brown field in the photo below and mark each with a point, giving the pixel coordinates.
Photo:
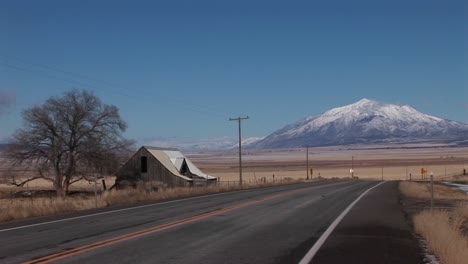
(423, 190)
(329, 162)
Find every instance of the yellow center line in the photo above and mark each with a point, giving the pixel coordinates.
(122, 238)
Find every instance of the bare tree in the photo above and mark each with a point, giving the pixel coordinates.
(68, 139)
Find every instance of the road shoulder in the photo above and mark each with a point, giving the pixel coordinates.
(374, 231)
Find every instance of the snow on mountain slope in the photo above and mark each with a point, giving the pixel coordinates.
(247, 142)
(222, 143)
(364, 122)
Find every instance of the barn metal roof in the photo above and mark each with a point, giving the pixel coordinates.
(166, 162)
(160, 148)
(173, 159)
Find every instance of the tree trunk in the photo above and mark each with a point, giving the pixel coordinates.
(64, 192)
(66, 187)
(60, 191)
(58, 185)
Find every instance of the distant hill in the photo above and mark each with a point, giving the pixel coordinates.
(366, 122)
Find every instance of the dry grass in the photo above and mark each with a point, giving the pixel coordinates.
(443, 234)
(462, 211)
(442, 230)
(19, 208)
(423, 190)
(41, 184)
(137, 195)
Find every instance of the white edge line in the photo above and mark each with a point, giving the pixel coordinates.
(315, 248)
(116, 211)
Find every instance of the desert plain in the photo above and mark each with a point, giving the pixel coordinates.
(368, 162)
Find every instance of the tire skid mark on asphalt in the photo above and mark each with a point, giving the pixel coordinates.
(82, 249)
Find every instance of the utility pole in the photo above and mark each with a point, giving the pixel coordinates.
(352, 166)
(432, 189)
(307, 161)
(239, 119)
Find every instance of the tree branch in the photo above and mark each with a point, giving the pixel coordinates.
(76, 180)
(21, 184)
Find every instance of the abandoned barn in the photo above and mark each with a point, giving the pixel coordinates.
(165, 165)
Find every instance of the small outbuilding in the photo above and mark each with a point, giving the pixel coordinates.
(165, 165)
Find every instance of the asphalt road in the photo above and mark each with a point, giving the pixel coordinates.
(270, 225)
(374, 231)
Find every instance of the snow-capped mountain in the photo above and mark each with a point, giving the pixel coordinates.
(222, 143)
(366, 122)
(247, 142)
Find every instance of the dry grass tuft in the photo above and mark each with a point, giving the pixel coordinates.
(443, 234)
(423, 190)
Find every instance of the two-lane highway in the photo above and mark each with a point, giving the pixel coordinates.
(269, 225)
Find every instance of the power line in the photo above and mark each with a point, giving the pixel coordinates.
(50, 76)
(54, 68)
(124, 91)
(192, 106)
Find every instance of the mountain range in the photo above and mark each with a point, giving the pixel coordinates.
(220, 143)
(366, 122)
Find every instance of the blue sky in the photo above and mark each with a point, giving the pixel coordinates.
(180, 69)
